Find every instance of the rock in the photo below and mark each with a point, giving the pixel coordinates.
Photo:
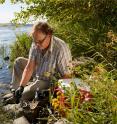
(14, 109)
(7, 96)
(11, 100)
(63, 121)
(4, 90)
(6, 58)
(21, 120)
(4, 86)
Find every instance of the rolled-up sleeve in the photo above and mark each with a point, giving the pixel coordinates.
(64, 62)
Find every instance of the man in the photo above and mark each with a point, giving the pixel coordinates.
(48, 55)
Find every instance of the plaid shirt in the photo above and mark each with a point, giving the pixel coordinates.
(57, 59)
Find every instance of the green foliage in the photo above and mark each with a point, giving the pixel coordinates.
(84, 24)
(83, 66)
(20, 47)
(102, 108)
(2, 1)
(103, 88)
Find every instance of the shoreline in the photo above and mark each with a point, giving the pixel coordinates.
(4, 88)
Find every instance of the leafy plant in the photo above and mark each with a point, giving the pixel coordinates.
(21, 47)
(94, 107)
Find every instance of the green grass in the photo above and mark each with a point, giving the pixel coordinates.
(102, 109)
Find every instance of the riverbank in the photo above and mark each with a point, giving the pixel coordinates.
(4, 88)
(5, 118)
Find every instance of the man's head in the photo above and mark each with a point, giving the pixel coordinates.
(41, 34)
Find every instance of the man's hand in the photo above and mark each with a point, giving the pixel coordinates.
(18, 93)
(25, 78)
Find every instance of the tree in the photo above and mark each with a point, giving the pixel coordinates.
(84, 24)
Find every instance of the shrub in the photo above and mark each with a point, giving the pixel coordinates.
(20, 47)
(100, 109)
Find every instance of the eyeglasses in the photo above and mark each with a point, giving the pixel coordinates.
(40, 41)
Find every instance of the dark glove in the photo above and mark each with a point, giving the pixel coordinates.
(18, 93)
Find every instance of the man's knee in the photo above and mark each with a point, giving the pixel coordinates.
(20, 61)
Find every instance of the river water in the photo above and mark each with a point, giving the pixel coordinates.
(7, 38)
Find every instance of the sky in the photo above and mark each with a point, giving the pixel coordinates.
(7, 11)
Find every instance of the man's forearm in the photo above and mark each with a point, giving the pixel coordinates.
(26, 76)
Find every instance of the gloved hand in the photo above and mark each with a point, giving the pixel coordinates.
(18, 93)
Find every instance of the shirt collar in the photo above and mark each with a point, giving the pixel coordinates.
(51, 45)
